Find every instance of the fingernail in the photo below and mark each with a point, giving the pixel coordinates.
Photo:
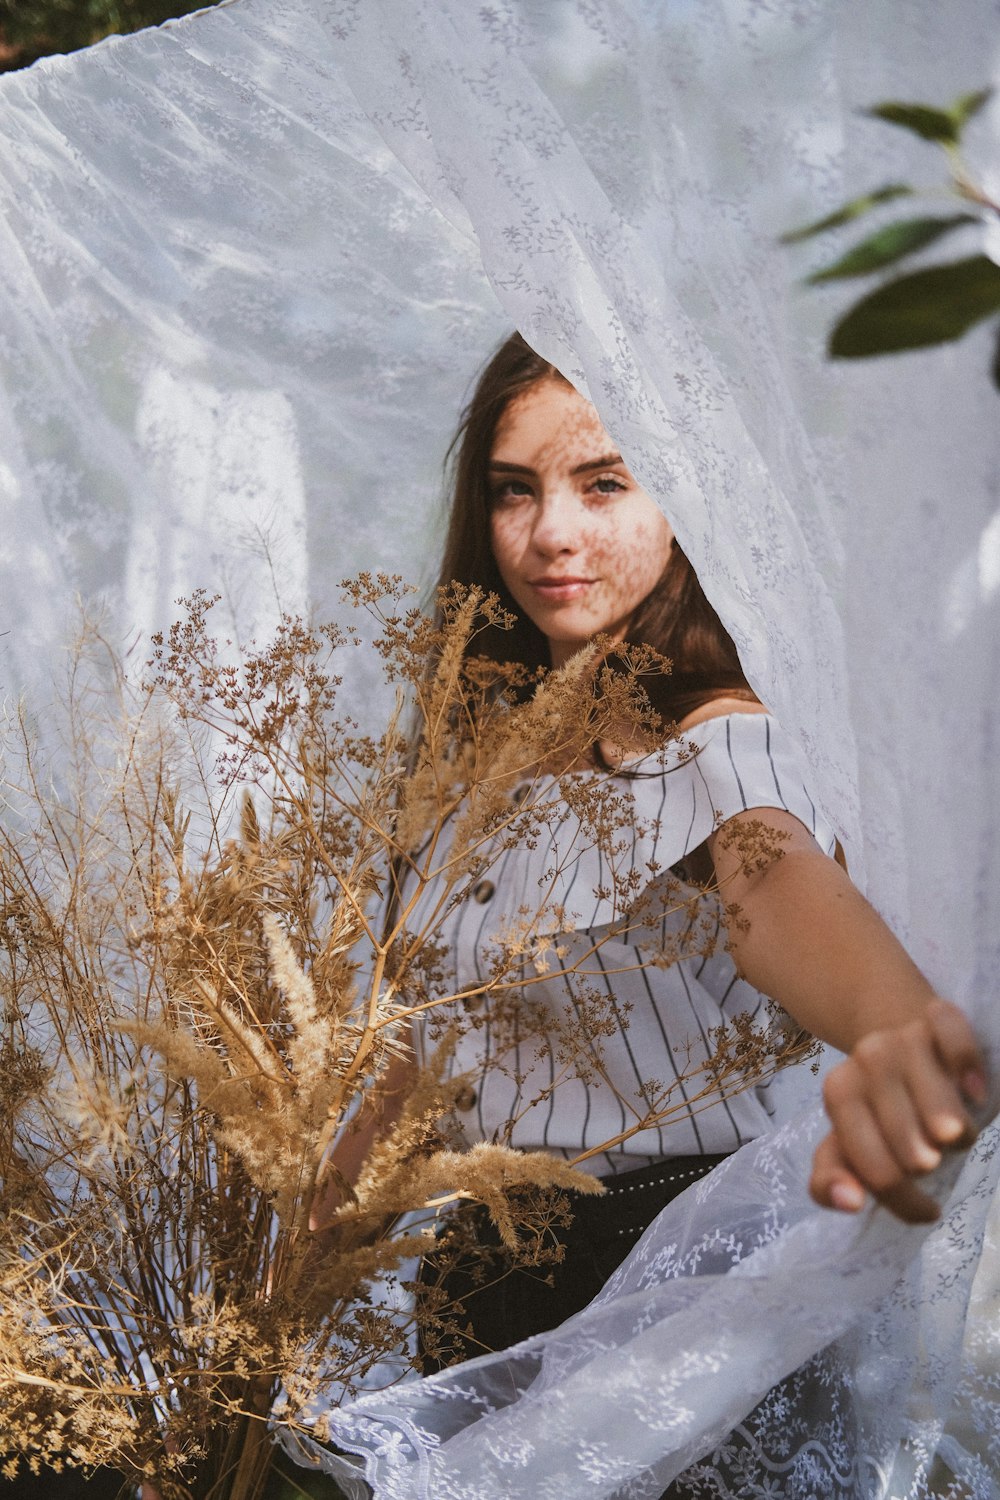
(950, 1130)
(846, 1197)
(974, 1085)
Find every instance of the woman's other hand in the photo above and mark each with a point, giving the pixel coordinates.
(896, 1105)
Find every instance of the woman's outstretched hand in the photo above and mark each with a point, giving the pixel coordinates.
(896, 1105)
(901, 1098)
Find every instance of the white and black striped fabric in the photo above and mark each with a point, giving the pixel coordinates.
(664, 1015)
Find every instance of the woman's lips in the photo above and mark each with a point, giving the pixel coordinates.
(558, 590)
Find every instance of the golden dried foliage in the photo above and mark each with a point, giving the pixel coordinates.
(220, 918)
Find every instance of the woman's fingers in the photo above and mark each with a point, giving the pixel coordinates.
(896, 1104)
(958, 1049)
(863, 1154)
(918, 1103)
(834, 1185)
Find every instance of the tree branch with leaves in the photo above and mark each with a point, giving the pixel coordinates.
(936, 304)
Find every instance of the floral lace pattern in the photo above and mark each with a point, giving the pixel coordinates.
(714, 1308)
(250, 262)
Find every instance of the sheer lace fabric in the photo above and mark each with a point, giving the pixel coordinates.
(250, 263)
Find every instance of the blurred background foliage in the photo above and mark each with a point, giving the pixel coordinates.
(30, 29)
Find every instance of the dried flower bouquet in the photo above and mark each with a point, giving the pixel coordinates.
(215, 938)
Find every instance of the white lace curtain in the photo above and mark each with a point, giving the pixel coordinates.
(250, 263)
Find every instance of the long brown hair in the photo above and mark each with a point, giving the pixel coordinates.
(675, 618)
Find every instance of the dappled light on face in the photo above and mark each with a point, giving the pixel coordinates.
(578, 542)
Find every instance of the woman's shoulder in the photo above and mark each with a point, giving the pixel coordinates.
(729, 756)
(720, 708)
(681, 743)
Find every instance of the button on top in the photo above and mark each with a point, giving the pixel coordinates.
(483, 892)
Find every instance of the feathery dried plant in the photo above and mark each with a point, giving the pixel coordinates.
(216, 936)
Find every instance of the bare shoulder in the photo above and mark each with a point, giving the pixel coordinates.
(718, 708)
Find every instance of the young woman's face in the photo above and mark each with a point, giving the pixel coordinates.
(577, 542)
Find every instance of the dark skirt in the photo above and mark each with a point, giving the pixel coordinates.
(501, 1304)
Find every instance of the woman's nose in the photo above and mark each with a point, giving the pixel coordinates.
(557, 524)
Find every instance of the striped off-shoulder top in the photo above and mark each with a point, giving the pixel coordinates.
(620, 1007)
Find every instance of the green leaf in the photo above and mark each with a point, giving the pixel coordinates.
(968, 105)
(929, 123)
(923, 308)
(889, 245)
(852, 210)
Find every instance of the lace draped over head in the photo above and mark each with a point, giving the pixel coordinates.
(250, 263)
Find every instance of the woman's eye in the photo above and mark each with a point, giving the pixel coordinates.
(510, 492)
(608, 484)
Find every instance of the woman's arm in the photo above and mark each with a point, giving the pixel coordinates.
(350, 1152)
(805, 936)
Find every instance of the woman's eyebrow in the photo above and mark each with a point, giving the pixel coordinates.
(606, 461)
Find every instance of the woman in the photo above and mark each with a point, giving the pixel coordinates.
(547, 515)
